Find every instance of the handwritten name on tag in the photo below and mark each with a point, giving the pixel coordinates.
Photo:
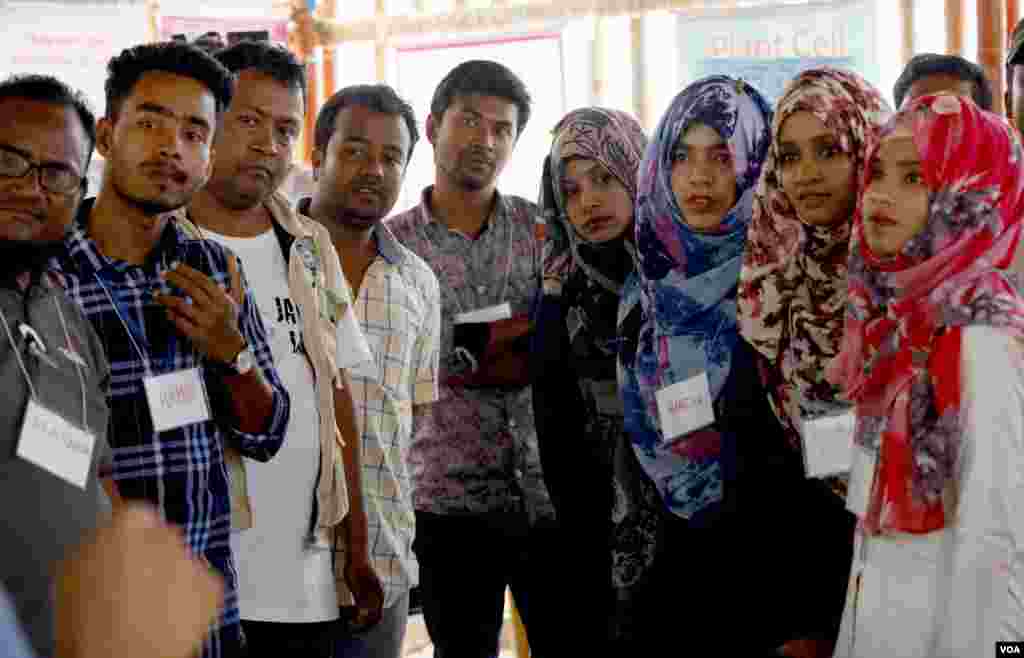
(176, 399)
(828, 442)
(685, 406)
(863, 464)
(55, 445)
(487, 314)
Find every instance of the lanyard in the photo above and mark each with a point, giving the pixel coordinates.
(24, 369)
(143, 355)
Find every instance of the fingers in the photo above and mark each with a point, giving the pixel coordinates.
(186, 317)
(193, 283)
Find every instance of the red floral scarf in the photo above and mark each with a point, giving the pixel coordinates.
(900, 355)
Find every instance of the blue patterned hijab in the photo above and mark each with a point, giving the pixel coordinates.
(686, 285)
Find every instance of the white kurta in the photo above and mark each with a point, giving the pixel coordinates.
(955, 592)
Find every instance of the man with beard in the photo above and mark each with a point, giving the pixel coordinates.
(364, 139)
(291, 507)
(191, 368)
(484, 519)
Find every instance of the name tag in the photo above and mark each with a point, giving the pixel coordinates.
(827, 444)
(685, 406)
(487, 314)
(862, 480)
(55, 445)
(176, 399)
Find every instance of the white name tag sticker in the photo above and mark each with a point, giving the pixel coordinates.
(685, 406)
(52, 443)
(827, 444)
(487, 314)
(177, 399)
(863, 464)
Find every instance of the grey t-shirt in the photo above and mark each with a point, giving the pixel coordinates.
(41, 515)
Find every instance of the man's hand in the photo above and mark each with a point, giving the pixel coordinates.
(366, 589)
(133, 590)
(211, 320)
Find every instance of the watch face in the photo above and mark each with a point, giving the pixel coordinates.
(245, 361)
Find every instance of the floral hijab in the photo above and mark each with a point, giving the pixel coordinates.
(591, 274)
(686, 285)
(900, 357)
(792, 290)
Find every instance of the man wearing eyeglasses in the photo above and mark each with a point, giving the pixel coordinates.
(52, 367)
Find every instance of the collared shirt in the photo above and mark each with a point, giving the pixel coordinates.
(182, 470)
(475, 451)
(43, 515)
(398, 308)
(318, 285)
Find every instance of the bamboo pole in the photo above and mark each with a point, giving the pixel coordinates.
(496, 17)
(955, 27)
(992, 44)
(907, 41)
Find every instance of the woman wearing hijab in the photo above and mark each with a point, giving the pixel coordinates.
(601, 496)
(695, 409)
(932, 357)
(792, 296)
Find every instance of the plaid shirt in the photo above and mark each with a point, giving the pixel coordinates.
(182, 470)
(398, 308)
(476, 451)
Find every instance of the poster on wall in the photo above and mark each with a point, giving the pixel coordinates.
(229, 29)
(767, 47)
(71, 42)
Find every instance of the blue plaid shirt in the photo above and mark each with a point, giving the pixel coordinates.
(182, 471)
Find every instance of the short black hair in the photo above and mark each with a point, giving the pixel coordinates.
(266, 57)
(379, 98)
(486, 78)
(926, 64)
(125, 70)
(48, 89)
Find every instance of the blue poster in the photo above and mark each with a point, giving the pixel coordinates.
(768, 47)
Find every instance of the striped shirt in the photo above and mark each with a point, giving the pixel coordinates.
(180, 470)
(398, 308)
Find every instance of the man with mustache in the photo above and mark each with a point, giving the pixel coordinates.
(484, 519)
(192, 371)
(289, 509)
(364, 139)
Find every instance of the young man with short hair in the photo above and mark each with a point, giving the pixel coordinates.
(484, 519)
(364, 139)
(192, 370)
(929, 73)
(290, 508)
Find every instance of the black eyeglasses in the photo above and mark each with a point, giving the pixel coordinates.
(52, 177)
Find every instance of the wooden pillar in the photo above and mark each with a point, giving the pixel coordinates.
(907, 41)
(302, 41)
(381, 42)
(153, 20)
(992, 44)
(328, 74)
(955, 27)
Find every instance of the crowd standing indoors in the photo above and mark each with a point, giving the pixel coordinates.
(755, 382)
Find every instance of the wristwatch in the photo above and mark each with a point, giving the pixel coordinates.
(243, 362)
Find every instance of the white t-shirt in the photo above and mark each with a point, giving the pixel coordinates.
(280, 577)
(955, 592)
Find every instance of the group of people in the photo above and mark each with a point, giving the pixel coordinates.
(718, 389)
